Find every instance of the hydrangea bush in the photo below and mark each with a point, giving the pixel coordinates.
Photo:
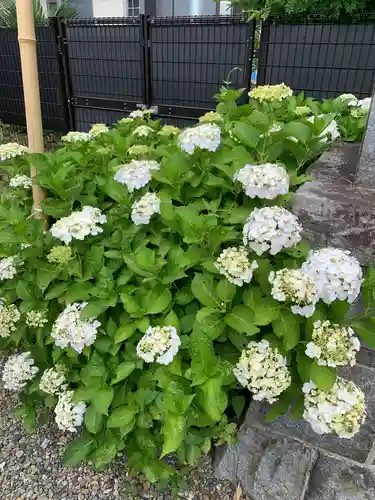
(172, 280)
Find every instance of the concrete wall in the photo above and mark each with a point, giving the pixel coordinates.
(105, 8)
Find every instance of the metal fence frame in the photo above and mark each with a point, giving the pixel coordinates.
(324, 59)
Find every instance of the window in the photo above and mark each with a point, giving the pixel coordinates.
(133, 8)
(51, 8)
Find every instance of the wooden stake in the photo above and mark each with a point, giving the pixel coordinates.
(29, 65)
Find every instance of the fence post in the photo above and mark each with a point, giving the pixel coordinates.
(145, 43)
(58, 27)
(263, 52)
(250, 58)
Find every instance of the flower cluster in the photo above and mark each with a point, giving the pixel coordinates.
(22, 181)
(302, 110)
(8, 268)
(18, 370)
(78, 225)
(206, 136)
(98, 129)
(145, 208)
(69, 415)
(138, 150)
(143, 131)
(348, 99)
(168, 131)
(263, 371)
(53, 380)
(160, 344)
(341, 410)
(140, 113)
(211, 117)
(295, 287)
(333, 345)
(136, 174)
(271, 92)
(11, 150)
(331, 132)
(9, 316)
(60, 255)
(358, 112)
(36, 319)
(76, 137)
(271, 228)
(235, 265)
(263, 181)
(365, 103)
(69, 329)
(337, 274)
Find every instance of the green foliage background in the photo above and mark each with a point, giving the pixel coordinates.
(163, 273)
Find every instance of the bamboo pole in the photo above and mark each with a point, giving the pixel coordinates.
(29, 65)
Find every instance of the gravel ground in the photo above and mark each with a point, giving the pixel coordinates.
(31, 468)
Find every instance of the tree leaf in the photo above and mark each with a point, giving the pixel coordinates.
(322, 376)
(102, 400)
(203, 289)
(365, 329)
(78, 450)
(287, 327)
(212, 398)
(157, 300)
(226, 290)
(298, 130)
(123, 371)
(93, 419)
(266, 311)
(122, 416)
(106, 451)
(173, 432)
(124, 332)
(247, 134)
(211, 322)
(241, 319)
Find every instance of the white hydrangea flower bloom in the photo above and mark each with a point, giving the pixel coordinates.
(8, 268)
(9, 317)
(337, 274)
(302, 110)
(169, 131)
(206, 136)
(333, 345)
(69, 415)
(160, 344)
(341, 410)
(140, 113)
(263, 371)
(349, 99)
(271, 229)
(98, 129)
(235, 265)
(22, 181)
(143, 131)
(263, 181)
(136, 174)
(266, 93)
(296, 287)
(76, 137)
(211, 117)
(145, 208)
(53, 380)
(18, 370)
(69, 329)
(36, 319)
(78, 225)
(365, 103)
(11, 150)
(331, 132)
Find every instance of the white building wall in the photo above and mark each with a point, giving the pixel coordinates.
(190, 8)
(109, 8)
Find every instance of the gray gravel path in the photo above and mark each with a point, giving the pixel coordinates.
(31, 468)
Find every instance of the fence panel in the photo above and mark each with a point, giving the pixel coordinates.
(323, 59)
(190, 57)
(106, 68)
(12, 109)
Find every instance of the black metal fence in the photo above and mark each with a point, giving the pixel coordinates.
(323, 59)
(12, 108)
(99, 70)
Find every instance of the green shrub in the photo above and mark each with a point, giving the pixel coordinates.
(135, 326)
